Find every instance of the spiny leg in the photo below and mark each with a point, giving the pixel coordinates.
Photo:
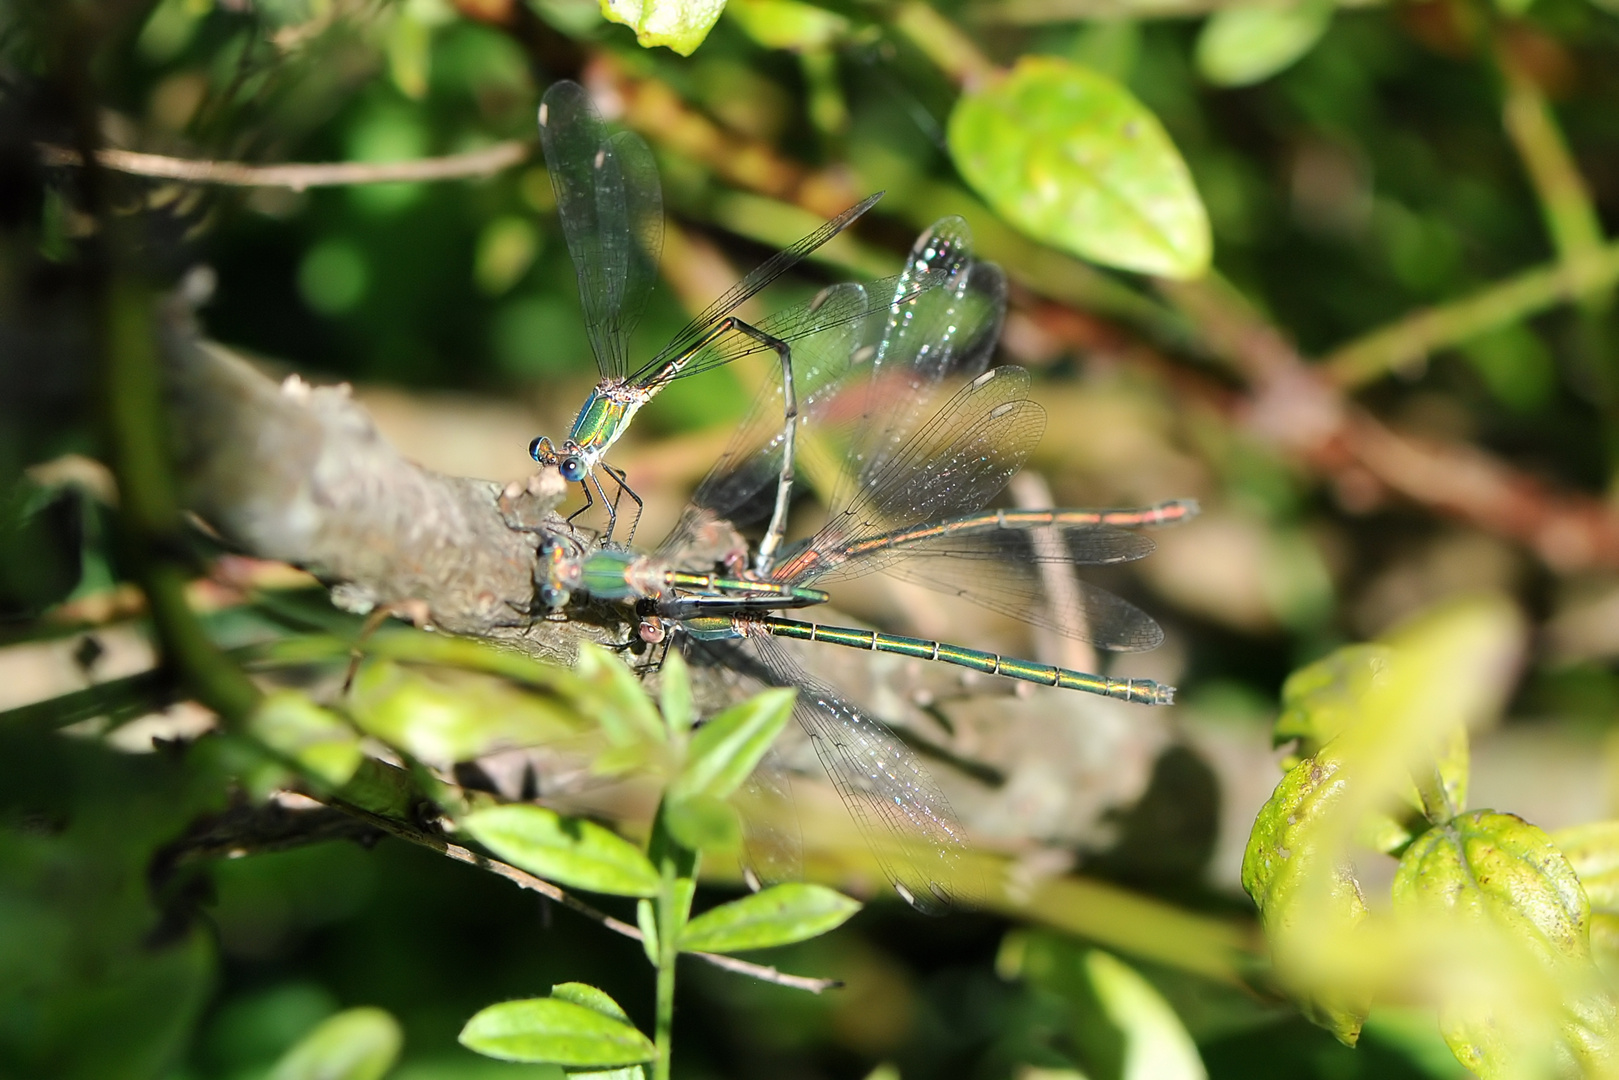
(622, 480)
(612, 515)
(584, 485)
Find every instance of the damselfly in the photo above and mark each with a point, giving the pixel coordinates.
(910, 503)
(611, 208)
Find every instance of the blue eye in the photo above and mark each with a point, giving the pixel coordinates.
(573, 469)
(539, 449)
(552, 597)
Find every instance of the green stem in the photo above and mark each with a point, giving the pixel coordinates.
(1413, 337)
(669, 925)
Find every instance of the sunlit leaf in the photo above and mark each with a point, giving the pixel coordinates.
(447, 716)
(1071, 158)
(319, 740)
(570, 851)
(704, 823)
(680, 25)
(556, 1031)
(1300, 885)
(1157, 1046)
(674, 694)
(620, 703)
(1499, 871)
(788, 24)
(1593, 852)
(356, 1044)
(1243, 45)
(1321, 699)
(725, 750)
(592, 998)
(780, 915)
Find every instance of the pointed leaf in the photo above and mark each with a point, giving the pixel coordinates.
(1073, 159)
(619, 701)
(704, 823)
(1157, 1046)
(780, 915)
(447, 716)
(725, 750)
(674, 694)
(680, 25)
(555, 1031)
(317, 739)
(356, 1044)
(592, 998)
(1593, 852)
(570, 851)
(788, 24)
(1243, 45)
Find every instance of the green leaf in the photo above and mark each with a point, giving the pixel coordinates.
(1497, 870)
(570, 851)
(680, 25)
(1118, 1022)
(674, 694)
(356, 1044)
(1244, 45)
(725, 750)
(1593, 852)
(445, 716)
(1071, 158)
(646, 918)
(1303, 894)
(788, 24)
(704, 823)
(592, 998)
(1319, 700)
(319, 740)
(619, 701)
(556, 1031)
(780, 915)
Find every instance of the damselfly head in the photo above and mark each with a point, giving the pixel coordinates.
(542, 451)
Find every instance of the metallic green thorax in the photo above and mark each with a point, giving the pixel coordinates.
(605, 415)
(623, 575)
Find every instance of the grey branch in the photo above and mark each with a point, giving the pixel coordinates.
(301, 474)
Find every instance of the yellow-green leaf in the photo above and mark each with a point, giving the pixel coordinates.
(674, 694)
(618, 701)
(1073, 159)
(1243, 45)
(1593, 852)
(780, 915)
(1320, 699)
(317, 739)
(680, 25)
(703, 823)
(356, 1044)
(1304, 894)
(567, 850)
(445, 716)
(725, 750)
(555, 1031)
(788, 24)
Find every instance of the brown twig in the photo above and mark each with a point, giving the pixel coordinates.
(473, 164)
(523, 879)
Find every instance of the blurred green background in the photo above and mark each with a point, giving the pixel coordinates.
(1358, 165)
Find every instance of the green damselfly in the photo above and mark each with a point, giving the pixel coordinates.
(611, 209)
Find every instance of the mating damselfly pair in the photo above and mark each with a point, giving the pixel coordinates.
(864, 369)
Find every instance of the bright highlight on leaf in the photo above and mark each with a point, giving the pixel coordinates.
(356, 1044)
(569, 851)
(1073, 159)
(781, 915)
(1244, 45)
(551, 1030)
(680, 25)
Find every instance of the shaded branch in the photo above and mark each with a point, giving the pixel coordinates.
(475, 163)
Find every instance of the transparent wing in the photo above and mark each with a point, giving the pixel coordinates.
(693, 334)
(905, 819)
(940, 317)
(611, 208)
(953, 464)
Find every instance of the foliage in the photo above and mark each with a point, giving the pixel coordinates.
(1339, 271)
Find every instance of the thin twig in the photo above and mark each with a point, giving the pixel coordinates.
(1409, 339)
(525, 880)
(476, 163)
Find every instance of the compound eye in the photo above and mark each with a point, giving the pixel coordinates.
(572, 469)
(552, 597)
(540, 449)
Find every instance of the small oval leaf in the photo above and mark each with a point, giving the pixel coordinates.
(725, 750)
(703, 823)
(680, 25)
(1244, 45)
(567, 850)
(619, 701)
(780, 915)
(591, 998)
(317, 739)
(1073, 159)
(356, 1044)
(554, 1031)
(674, 694)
